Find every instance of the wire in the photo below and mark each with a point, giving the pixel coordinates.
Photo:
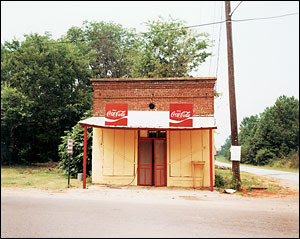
(212, 38)
(262, 18)
(173, 29)
(230, 14)
(136, 34)
(219, 44)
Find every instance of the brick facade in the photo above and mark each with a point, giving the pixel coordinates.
(140, 92)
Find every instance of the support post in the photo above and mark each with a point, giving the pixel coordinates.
(211, 161)
(69, 170)
(84, 157)
(232, 102)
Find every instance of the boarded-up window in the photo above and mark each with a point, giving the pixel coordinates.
(118, 152)
(186, 146)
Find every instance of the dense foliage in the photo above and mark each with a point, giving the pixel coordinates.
(76, 159)
(51, 89)
(45, 83)
(271, 137)
(172, 53)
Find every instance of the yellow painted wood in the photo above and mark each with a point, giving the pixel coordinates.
(129, 158)
(197, 155)
(175, 157)
(200, 165)
(185, 152)
(197, 144)
(143, 133)
(96, 156)
(179, 148)
(119, 152)
(116, 152)
(205, 147)
(108, 151)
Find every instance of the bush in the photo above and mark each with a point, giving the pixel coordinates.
(76, 164)
(219, 180)
(264, 156)
(293, 159)
(223, 177)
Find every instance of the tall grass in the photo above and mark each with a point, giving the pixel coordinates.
(43, 176)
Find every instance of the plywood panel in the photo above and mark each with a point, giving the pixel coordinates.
(129, 153)
(108, 150)
(175, 153)
(186, 153)
(197, 152)
(97, 157)
(197, 145)
(206, 155)
(119, 152)
(205, 137)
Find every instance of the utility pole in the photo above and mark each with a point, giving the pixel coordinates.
(232, 103)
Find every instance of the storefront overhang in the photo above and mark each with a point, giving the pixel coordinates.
(150, 120)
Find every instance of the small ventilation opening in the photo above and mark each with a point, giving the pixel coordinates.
(151, 106)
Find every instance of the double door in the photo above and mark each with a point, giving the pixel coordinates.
(152, 162)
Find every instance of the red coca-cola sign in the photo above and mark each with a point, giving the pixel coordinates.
(181, 115)
(116, 114)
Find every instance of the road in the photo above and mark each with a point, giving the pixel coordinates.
(145, 212)
(287, 178)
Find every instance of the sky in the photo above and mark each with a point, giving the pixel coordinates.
(266, 51)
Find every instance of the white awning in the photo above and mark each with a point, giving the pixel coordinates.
(150, 120)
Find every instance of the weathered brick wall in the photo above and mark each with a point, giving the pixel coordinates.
(139, 93)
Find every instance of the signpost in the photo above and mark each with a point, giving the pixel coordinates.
(70, 152)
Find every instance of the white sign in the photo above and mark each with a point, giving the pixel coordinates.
(235, 152)
(70, 145)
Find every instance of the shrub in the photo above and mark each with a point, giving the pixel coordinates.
(219, 180)
(76, 164)
(264, 156)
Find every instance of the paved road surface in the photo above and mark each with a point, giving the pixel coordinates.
(290, 179)
(143, 212)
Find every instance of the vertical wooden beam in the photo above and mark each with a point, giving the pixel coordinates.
(211, 161)
(232, 101)
(84, 157)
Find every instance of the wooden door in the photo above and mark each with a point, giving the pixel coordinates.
(145, 162)
(160, 172)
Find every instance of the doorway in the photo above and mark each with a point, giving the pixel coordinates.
(152, 159)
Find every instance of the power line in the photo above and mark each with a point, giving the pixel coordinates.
(174, 29)
(212, 38)
(262, 18)
(230, 14)
(219, 44)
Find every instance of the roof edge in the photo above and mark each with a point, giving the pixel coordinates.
(153, 79)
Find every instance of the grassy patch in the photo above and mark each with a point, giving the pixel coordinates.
(42, 176)
(276, 166)
(224, 179)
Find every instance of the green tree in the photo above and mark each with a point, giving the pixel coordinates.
(54, 77)
(247, 140)
(169, 50)
(15, 113)
(272, 136)
(225, 148)
(76, 159)
(111, 45)
(278, 130)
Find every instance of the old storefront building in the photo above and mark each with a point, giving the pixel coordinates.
(156, 132)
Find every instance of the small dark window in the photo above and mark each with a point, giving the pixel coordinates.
(161, 134)
(152, 134)
(151, 106)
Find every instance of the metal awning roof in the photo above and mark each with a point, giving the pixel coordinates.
(150, 120)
